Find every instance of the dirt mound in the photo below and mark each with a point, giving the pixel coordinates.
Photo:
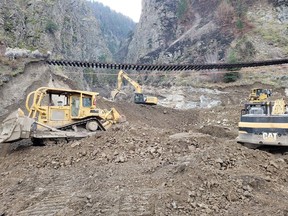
(155, 116)
(217, 131)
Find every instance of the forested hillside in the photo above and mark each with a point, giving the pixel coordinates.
(115, 27)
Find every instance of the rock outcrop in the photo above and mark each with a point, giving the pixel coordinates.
(209, 31)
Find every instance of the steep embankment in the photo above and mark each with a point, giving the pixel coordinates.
(210, 31)
(33, 75)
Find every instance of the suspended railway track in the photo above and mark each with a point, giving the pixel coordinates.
(164, 67)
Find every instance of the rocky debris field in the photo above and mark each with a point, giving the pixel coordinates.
(161, 161)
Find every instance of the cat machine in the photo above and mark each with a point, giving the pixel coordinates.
(264, 123)
(139, 97)
(55, 113)
(259, 95)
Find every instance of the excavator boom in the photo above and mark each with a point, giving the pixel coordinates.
(139, 97)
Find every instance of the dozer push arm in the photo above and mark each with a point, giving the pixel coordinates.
(35, 107)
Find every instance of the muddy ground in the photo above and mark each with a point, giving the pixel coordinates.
(162, 161)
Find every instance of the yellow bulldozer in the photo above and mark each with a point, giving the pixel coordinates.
(259, 95)
(139, 97)
(55, 113)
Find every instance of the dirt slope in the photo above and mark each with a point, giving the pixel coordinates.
(160, 162)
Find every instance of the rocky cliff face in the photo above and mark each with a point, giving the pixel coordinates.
(202, 31)
(67, 28)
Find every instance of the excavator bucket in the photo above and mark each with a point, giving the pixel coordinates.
(115, 92)
(15, 127)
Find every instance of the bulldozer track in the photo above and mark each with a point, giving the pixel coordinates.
(137, 203)
(164, 67)
(48, 206)
(81, 122)
(56, 199)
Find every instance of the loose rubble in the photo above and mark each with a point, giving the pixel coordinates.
(162, 161)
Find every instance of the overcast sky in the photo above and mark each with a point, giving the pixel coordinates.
(130, 8)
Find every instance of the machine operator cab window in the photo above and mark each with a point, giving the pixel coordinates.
(139, 98)
(87, 101)
(75, 105)
(268, 92)
(259, 92)
(256, 111)
(56, 99)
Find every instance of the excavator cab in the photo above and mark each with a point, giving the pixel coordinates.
(139, 98)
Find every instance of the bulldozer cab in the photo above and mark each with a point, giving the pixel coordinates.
(58, 107)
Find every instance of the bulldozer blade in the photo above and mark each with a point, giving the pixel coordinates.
(15, 127)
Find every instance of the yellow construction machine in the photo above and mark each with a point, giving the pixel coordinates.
(259, 95)
(139, 97)
(55, 113)
(264, 124)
